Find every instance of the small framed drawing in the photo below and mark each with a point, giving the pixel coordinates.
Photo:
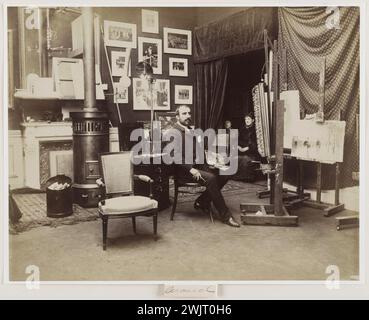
(120, 93)
(178, 67)
(120, 34)
(150, 51)
(119, 61)
(150, 21)
(177, 41)
(142, 95)
(167, 119)
(182, 94)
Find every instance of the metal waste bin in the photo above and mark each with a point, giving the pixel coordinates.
(59, 196)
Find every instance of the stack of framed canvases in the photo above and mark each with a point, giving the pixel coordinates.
(121, 37)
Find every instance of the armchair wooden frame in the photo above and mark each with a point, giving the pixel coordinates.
(152, 212)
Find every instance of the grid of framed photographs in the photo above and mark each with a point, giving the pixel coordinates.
(175, 41)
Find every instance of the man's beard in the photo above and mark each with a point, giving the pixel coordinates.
(187, 122)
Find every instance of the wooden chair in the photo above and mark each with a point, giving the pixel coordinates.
(186, 187)
(117, 179)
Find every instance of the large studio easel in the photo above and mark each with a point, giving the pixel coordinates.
(323, 143)
(275, 212)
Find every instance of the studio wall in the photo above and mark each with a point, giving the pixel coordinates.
(61, 36)
(179, 18)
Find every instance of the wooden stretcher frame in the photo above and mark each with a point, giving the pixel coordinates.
(274, 213)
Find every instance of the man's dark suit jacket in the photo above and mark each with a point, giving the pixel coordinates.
(183, 170)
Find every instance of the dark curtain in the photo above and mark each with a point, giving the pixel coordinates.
(213, 43)
(305, 35)
(244, 72)
(211, 82)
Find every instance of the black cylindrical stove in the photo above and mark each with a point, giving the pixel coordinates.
(90, 126)
(90, 137)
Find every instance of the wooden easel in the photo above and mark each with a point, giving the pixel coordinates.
(291, 199)
(274, 213)
(327, 208)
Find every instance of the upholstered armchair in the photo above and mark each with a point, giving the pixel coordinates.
(118, 200)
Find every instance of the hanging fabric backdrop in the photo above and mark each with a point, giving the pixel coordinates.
(210, 90)
(305, 35)
(237, 34)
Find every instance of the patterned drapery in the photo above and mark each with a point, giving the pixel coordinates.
(309, 34)
(237, 34)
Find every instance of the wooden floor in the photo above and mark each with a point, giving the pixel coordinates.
(189, 248)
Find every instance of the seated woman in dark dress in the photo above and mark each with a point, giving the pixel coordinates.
(247, 150)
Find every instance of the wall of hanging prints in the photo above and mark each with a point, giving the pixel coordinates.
(161, 37)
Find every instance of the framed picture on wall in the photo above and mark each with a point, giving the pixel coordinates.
(150, 21)
(120, 62)
(177, 41)
(167, 119)
(120, 34)
(178, 67)
(142, 95)
(120, 93)
(150, 51)
(182, 94)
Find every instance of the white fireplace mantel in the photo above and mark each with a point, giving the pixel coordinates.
(33, 134)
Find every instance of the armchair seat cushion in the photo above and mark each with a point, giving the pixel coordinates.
(127, 205)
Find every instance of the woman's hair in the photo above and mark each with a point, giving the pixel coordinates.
(250, 114)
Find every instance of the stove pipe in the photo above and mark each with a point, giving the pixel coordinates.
(89, 58)
(90, 126)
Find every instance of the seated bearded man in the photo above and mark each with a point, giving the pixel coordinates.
(190, 171)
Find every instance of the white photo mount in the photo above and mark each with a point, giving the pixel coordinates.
(177, 41)
(120, 63)
(182, 94)
(142, 95)
(150, 21)
(150, 51)
(178, 67)
(120, 34)
(120, 93)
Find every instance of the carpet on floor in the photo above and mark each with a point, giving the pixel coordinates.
(34, 210)
(34, 213)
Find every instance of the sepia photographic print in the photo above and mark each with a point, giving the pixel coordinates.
(183, 94)
(266, 173)
(120, 93)
(119, 61)
(156, 96)
(119, 34)
(178, 67)
(177, 41)
(150, 51)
